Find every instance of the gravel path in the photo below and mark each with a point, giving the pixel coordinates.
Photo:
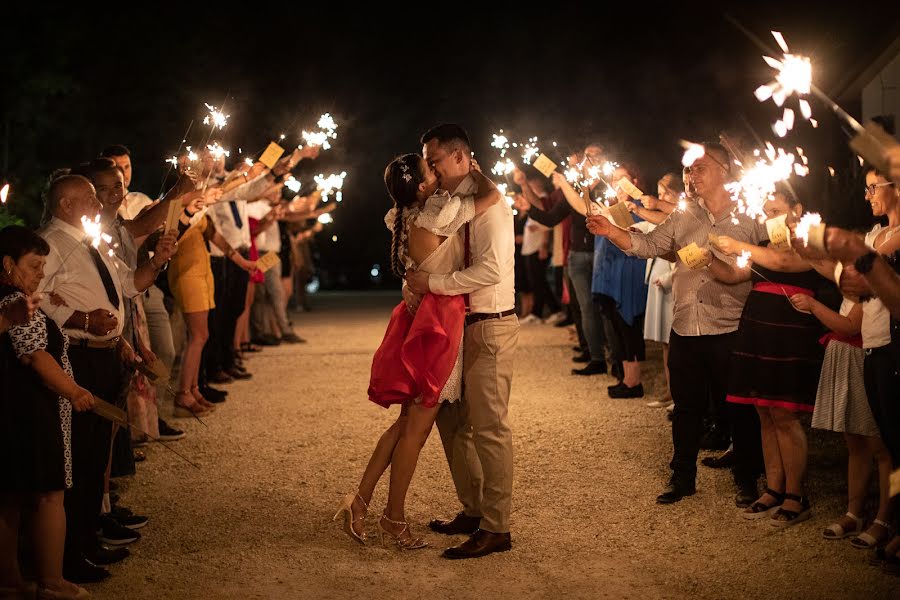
(255, 521)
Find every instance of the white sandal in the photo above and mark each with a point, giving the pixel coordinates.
(866, 541)
(835, 531)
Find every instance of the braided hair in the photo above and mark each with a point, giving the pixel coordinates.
(402, 178)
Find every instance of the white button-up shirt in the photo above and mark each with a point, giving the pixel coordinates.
(133, 204)
(490, 281)
(268, 239)
(223, 217)
(71, 274)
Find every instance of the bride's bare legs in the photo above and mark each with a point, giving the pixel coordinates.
(378, 463)
(419, 423)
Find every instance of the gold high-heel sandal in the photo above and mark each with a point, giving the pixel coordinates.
(404, 543)
(194, 409)
(346, 508)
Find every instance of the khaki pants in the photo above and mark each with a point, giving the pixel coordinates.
(475, 431)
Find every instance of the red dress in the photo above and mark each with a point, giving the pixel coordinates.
(417, 354)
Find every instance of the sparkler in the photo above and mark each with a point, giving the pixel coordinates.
(756, 184)
(503, 167)
(175, 158)
(4, 193)
(743, 262)
(216, 117)
(808, 222)
(327, 130)
(329, 184)
(325, 219)
(292, 184)
(794, 76)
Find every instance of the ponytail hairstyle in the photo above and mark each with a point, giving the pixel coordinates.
(402, 178)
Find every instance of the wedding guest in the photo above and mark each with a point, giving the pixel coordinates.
(36, 405)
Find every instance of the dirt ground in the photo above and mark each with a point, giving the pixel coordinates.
(277, 457)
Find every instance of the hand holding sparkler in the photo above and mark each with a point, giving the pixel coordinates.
(599, 225)
(803, 302)
(80, 399)
(165, 249)
(730, 245)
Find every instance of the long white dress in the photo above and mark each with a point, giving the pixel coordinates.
(442, 215)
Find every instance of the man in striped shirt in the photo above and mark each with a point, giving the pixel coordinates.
(707, 313)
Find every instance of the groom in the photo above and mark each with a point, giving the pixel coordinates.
(475, 431)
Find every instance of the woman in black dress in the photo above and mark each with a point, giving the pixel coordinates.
(36, 414)
(775, 363)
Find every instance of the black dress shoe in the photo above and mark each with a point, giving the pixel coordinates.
(582, 358)
(723, 461)
(592, 368)
(624, 391)
(238, 374)
(676, 490)
(210, 393)
(292, 338)
(481, 543)
(747, 493)
(461, 523)
(101, 555)
(267, 340)
(221, 377)
(84, 571)
(714, 440)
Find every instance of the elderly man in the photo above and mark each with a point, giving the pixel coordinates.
(83, 290)
(707, 313)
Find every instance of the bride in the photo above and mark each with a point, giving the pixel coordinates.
(419, 362)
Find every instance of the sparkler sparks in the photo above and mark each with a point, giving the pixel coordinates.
(216, 118)
(329, 184)
(217, 151)
(743, 261)
(94, 230)
(793, 76)
(503, 167)
(327, 130)
(692, 152)
(807, 222)
(4, 193)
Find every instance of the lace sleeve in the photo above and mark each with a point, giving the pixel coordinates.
(444, 214)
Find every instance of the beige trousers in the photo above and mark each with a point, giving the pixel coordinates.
(475, 430)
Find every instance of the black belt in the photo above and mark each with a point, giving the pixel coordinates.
(476, 317)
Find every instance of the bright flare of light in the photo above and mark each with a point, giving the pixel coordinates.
(682, 205)
(325, 219)
(192, 156)
(756, 184)
(327, 131)
(503, 167)
(692, 152)
(793, 76)
(4, 192)
(248, 162)
(217, 151)
(806, 222)
(216, 118)
(330, 183)
(94, 230)
(173, 160)
(292, 184)
(743, 261)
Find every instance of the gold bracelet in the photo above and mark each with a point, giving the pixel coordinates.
(87, 321)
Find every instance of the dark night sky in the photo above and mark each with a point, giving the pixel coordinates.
(636, 80)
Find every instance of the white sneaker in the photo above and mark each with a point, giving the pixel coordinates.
(530, 319)
(555, 318)
(660, 404)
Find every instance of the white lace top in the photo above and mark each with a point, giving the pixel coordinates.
(443, 215)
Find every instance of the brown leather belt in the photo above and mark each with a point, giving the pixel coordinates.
(473, 318)
(86, 343)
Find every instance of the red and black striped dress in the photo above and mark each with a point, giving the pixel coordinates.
(777, 357)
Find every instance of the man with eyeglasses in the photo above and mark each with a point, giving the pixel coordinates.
(707, 314)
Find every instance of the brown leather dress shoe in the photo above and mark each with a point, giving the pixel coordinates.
(461, 523)
(481, 543)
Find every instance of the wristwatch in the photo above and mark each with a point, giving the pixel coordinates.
(864, 263)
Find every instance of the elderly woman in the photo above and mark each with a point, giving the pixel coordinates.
(35, 411)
